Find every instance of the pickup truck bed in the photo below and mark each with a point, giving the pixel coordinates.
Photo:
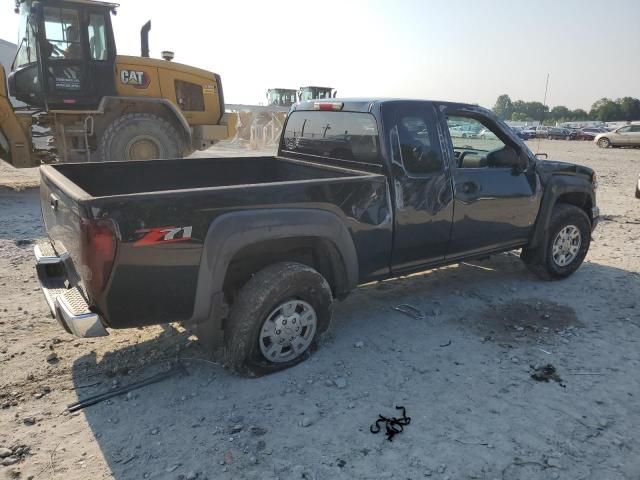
(125, 178)
(163, 214)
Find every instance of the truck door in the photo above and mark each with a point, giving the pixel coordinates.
(496, 203)
(78, 56)
(421, 185)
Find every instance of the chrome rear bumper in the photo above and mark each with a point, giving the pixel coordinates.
(67, 303)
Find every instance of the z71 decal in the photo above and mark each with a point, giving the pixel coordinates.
(157, 236)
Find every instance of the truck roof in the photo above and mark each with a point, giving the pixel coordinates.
(367, 104)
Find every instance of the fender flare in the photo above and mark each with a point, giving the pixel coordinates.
(170, 107)
(231, 232)
(555, 188)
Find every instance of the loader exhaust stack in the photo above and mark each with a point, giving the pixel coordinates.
(144, 39)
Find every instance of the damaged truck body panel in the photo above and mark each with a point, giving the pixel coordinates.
(360, 190)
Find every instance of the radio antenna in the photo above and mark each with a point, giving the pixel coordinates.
(544, 104)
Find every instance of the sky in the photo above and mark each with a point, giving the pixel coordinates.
(462, 50)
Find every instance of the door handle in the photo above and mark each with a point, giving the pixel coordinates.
(53, 202)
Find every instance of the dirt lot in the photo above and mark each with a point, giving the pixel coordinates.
(462, 372)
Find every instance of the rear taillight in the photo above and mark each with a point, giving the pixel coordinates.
(98, 251)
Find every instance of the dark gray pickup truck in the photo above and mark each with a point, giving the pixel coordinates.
(252, 251)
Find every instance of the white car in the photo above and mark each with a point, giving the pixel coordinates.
(464, 131)
(627, 136)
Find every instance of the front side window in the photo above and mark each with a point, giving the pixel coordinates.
(476, 144)
(626, 129)
(97, 37)
(62, 31)
(340, 135)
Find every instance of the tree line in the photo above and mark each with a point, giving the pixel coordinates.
(604, 110)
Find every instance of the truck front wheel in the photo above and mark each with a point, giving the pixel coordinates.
(276, 318)
(567, 243)
(139, 136)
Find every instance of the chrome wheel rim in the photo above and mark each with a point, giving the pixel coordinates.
(288, 331)
(566, 245)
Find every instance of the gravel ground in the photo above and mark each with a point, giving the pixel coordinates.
(462, 372)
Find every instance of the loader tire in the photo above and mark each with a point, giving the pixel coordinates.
(139, 136)
(275, 321)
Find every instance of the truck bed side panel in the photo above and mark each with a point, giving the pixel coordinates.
(155, 280)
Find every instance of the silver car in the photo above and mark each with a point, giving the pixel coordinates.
(627, 136)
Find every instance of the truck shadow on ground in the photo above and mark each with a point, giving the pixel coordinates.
(209, 422)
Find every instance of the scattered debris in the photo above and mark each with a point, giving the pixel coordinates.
(544, 373)
(393, 425)
(52, 357)
(80, 404)
(359, 344)
(410, 311)
(446, 344)
(340, 382)
(544, 351)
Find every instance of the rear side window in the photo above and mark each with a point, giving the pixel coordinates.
(339, 135)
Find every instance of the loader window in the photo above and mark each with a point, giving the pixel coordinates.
(97, 37)
(62, 30)
(27, 42)
(340, 135)
(189, 96)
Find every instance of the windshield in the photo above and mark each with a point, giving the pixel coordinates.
(26, 41)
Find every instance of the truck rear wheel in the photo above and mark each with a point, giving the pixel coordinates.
(139, 136)
(276, 318)
(567, 243)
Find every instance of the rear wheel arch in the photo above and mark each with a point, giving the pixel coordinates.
(304, 231)
(319, 253)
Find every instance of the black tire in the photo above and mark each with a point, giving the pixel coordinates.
(604, 142)
(549, 137)
(139, 136)
(544, 265)
(637, 191)
(264, 292)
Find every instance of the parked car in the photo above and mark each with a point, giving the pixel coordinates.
(627, 136)
(521, 133)
(531, 131)
(589, 133)
(250, 252)
(464, 131)
(555, 133)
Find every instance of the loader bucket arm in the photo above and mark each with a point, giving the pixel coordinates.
(15, 136)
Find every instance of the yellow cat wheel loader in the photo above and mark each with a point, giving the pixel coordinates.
(101, 106)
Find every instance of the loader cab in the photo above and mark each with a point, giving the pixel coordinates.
(314, 93)
(66, 54)
(281, 97)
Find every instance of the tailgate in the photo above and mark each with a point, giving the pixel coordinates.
(58, 260)
(61, 213)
